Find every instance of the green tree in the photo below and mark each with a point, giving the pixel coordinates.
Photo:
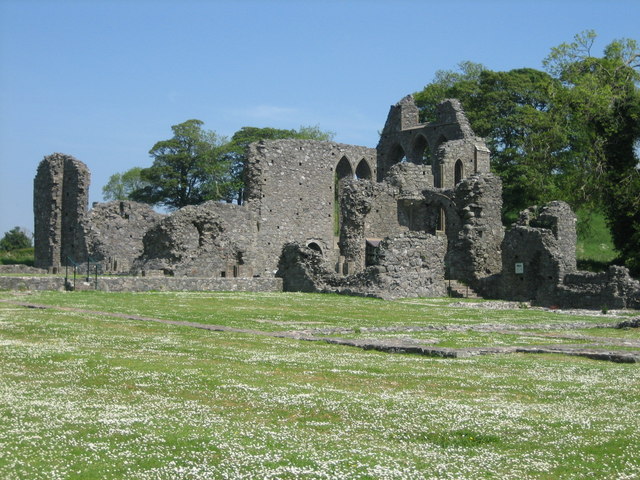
(237, 147)
(514, 111)
(121, 185)
(15, 239)
(187, 169)
(602, 103)
(571, 133)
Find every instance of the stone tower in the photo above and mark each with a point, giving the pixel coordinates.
(60, 201)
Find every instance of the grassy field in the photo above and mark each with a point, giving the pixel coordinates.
(595, 249)
(92, 396)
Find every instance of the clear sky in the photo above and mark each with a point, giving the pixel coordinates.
(104, 80)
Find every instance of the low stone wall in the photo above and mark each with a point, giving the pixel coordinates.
(32, 283)
(147, 284)
(171, 284)
(18, 268)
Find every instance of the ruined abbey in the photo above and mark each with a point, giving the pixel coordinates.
(400, 220)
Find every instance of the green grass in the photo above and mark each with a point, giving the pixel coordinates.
(23, 256)
(96, 397)
(595, 250)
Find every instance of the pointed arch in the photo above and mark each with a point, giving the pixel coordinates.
(421, 151)
(363, 170)
(397, 155)
(458, 172)
(344, 169)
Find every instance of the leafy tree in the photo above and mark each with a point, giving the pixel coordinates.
(236, 149)
(602, 103)
(514, 111)
(187, 169)
(121, 185)
(15, 239)
(570, 133)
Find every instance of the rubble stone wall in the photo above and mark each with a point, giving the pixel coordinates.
(209, 240)
(114, 232)
(291, 189)
(410, 265)
(61, 193)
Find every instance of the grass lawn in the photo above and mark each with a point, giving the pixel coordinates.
(86, 396)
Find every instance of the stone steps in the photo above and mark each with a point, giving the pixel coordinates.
(456, 289)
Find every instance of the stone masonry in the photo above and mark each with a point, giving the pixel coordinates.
(394, 221)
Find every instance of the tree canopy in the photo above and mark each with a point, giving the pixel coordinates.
(187, 169)
(121, 185)
(15, 239)
(570, 132)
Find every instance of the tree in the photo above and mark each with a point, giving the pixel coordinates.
(15, 239)
(571, 133)
(187, 169)
(121, 185)
(514, 111)
(603, 98)
(236, 149)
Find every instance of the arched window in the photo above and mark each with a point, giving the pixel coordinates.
(363, 171)
(397, 155)
(315, 246)
(437, 175)
(421, 151)
(459, 172)
(343, 169)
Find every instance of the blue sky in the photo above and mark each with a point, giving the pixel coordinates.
(104, 80)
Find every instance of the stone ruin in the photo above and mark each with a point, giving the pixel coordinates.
(400, 220)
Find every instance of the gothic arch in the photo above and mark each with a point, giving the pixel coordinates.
(458, 172)
(397, 155)
(421, 151)
(343, 169)
(363, 170)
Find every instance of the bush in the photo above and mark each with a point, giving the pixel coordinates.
(15, 239)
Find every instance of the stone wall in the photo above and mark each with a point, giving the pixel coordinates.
(32, 283)
(442, 147)
(475, 233)
(190, 284)
(114, 232)
(60, 199)
(291, 188)
(537, 252)
(146, 284)
(409, 265)
(209, 240)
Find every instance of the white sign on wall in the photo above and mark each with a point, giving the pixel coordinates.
(519, 268)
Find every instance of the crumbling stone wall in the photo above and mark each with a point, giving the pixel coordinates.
(114, 232)
(538, 251)
(390, 222)
(60, 199)
(475, 232)
(447, 147)
(539, 265)
(209, 240)
(409, 265)
(291, 188)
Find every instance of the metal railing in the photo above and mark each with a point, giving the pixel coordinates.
(70, 262)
